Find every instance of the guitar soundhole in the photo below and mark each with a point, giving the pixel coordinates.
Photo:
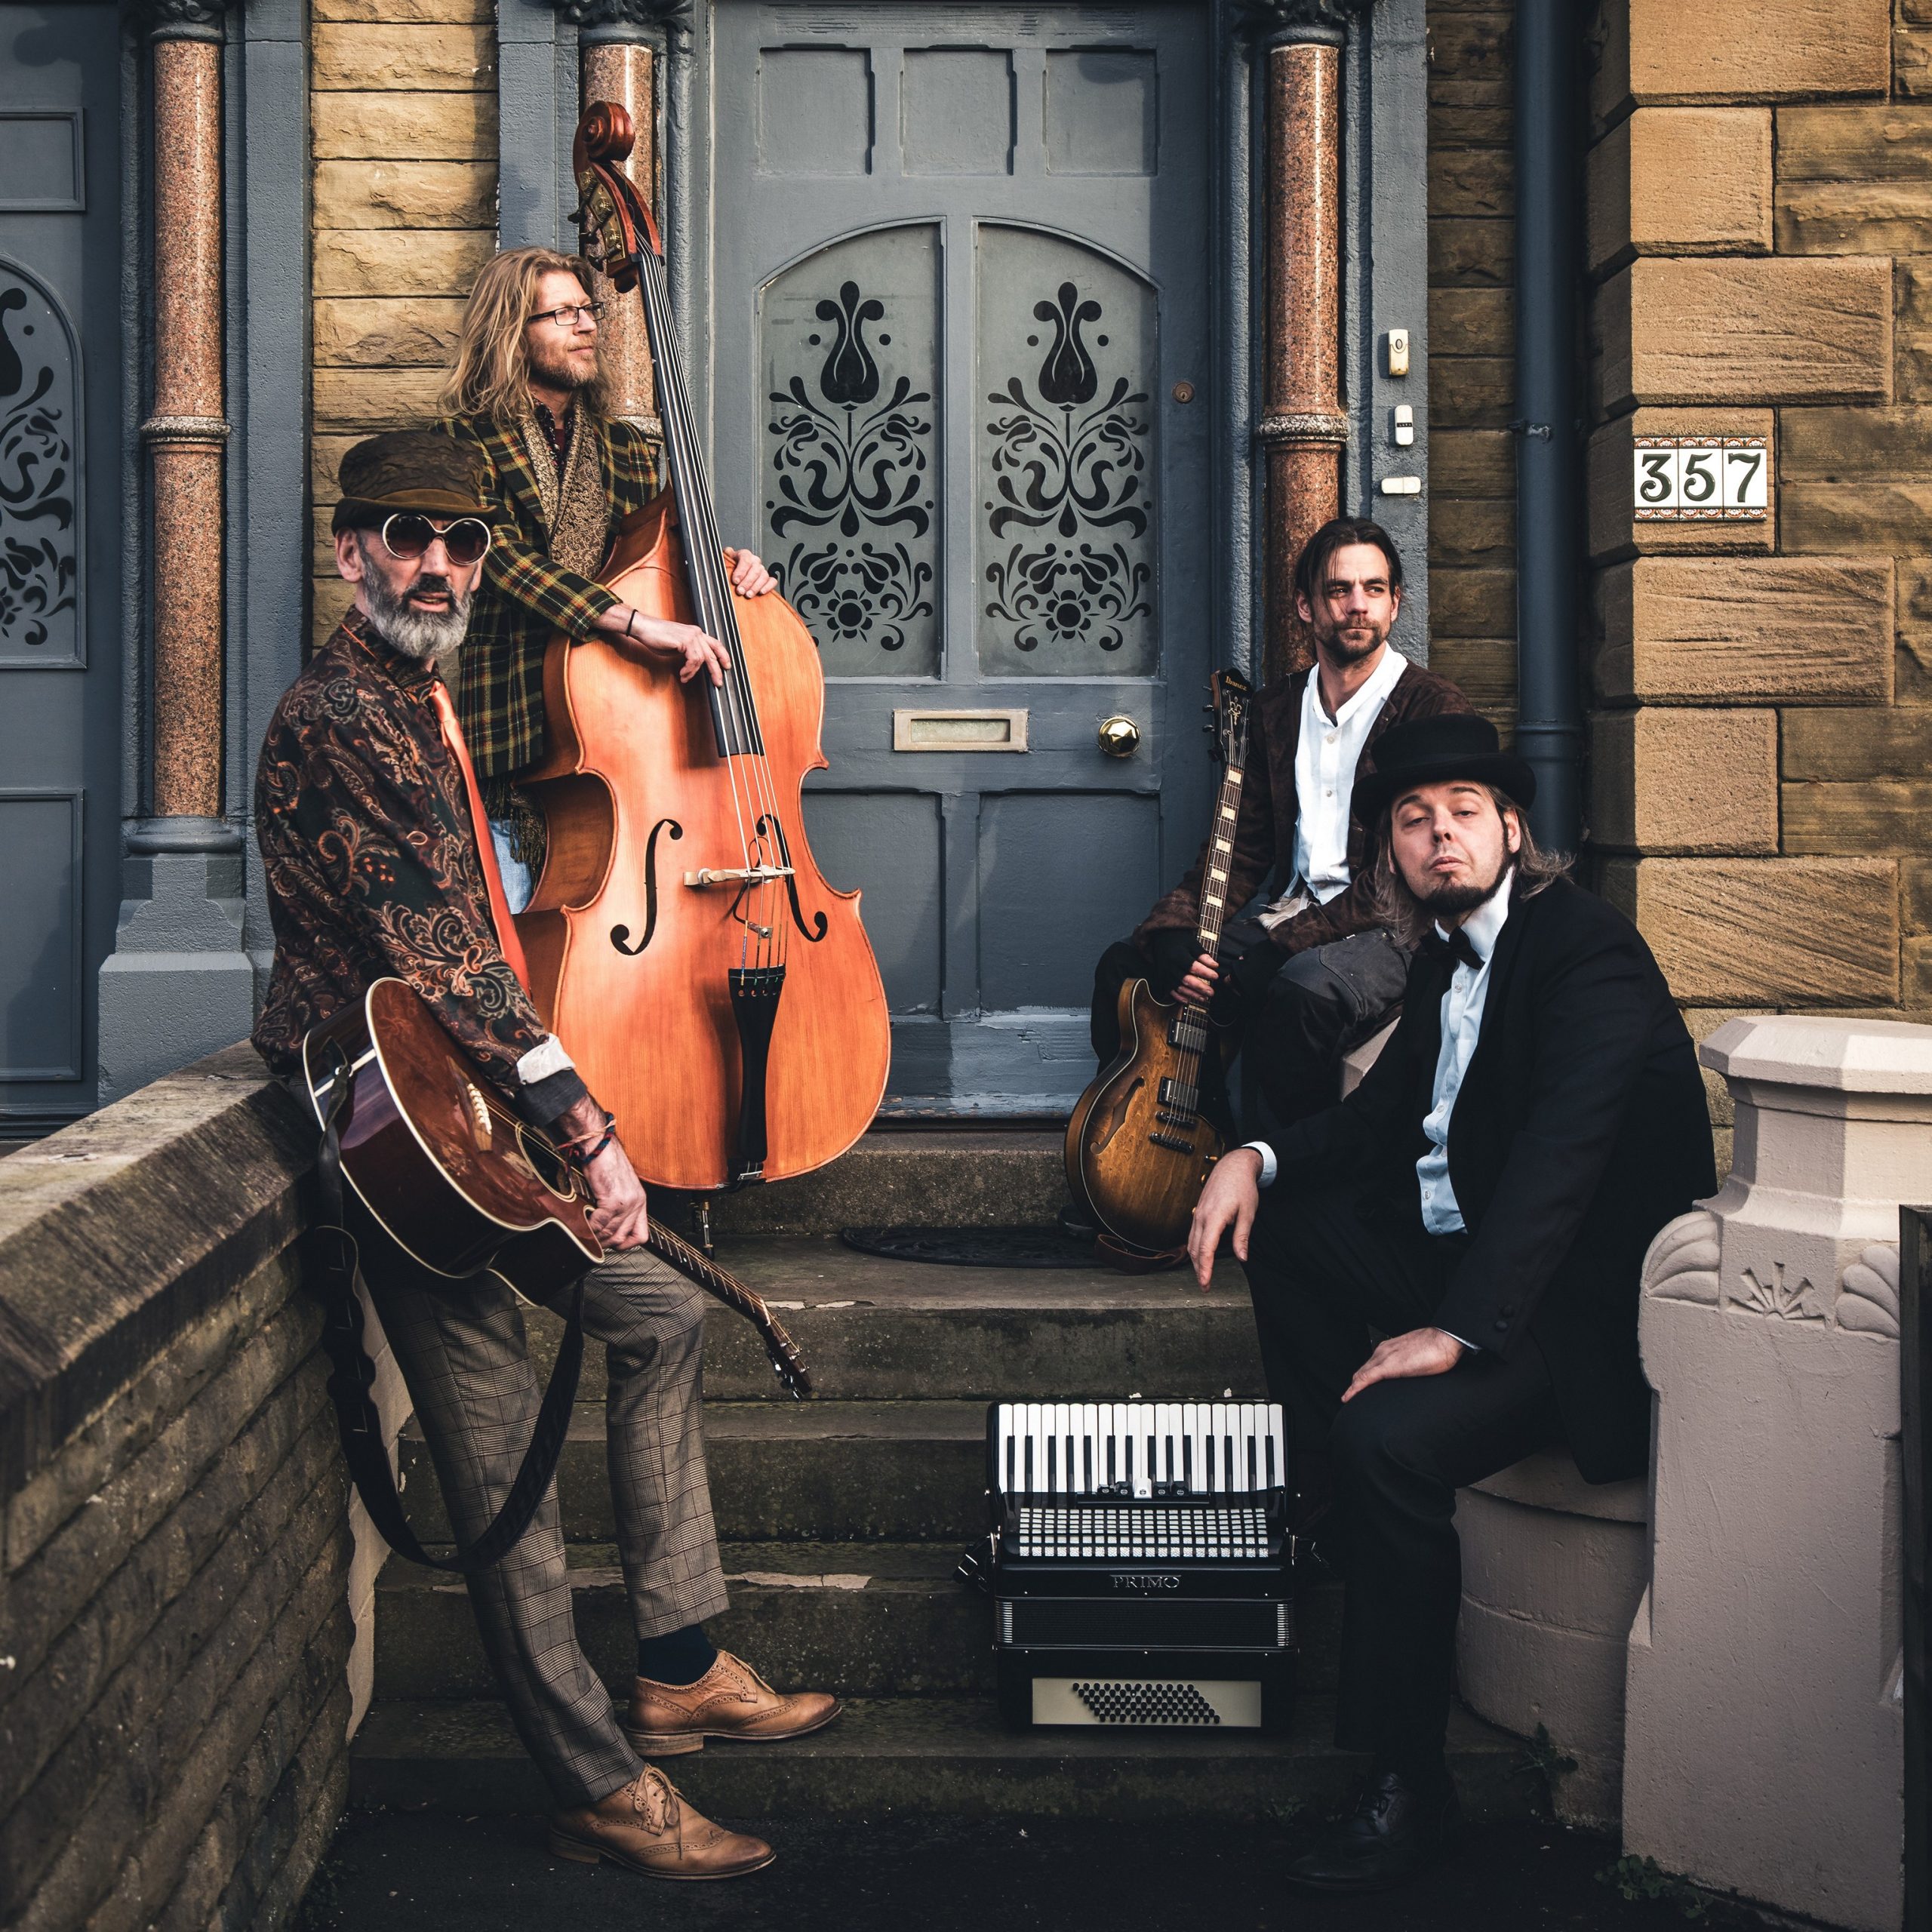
(548, 1166)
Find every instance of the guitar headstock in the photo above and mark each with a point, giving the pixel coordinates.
(614, 220)
(1234, 705)
(786, 1362)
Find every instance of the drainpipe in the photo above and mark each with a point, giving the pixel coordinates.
(1549, 429)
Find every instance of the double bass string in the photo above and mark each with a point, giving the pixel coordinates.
(711, 587)
(703, 552)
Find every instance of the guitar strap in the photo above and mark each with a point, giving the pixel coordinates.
(335, 1256)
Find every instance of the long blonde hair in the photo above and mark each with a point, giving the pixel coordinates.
(490, 374)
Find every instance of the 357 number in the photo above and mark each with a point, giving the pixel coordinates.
(1701, 479)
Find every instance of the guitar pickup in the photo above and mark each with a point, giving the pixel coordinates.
(740, 875)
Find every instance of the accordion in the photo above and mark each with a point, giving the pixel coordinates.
(1139, 1564)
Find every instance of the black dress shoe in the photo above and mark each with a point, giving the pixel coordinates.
(1394, 1832)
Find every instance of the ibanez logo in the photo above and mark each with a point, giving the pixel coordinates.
(1142, 1582)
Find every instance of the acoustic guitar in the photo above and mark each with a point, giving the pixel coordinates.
(461, 1184)
(1139, 1145)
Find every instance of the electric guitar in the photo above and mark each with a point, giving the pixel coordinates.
(462, 1185)
(1139, 1146)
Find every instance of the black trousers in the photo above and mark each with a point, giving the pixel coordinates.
(1325, 1269)
(1324, 1000)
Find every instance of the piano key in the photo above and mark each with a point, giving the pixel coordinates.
(1090, 1478)
(1036, 1478)
(1201, 1436)
(1217, 1449)
(1062, 1482)
(1278, 1460)
(1003, 1453)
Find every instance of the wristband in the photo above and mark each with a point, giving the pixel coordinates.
(582, 1155)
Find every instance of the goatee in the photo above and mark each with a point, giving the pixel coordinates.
(1448, 901)
(430, 637)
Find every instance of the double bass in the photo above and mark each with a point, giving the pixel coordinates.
(717, 995)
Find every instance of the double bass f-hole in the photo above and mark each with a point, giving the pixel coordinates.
(620, 934)
(813, 932)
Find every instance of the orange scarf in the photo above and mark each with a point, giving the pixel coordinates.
(486, 846)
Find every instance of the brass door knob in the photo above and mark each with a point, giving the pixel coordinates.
(1118, 735)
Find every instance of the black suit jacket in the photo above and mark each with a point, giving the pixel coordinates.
(1580, 1130)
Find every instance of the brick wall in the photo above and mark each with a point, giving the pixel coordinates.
(1471, 368)
(403, 104)
(174, 1549)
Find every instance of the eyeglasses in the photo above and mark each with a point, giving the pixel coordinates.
(572, 315)
(408, 534)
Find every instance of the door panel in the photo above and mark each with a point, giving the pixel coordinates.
(60, 533)
(965, 267)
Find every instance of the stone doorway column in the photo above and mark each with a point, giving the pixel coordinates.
(1298, 48)
(622, 47)
(178, 984)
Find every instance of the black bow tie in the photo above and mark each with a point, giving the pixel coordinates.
(1455, 949)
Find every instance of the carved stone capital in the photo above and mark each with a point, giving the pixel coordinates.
(1266, 24)
(183, 20)
(629, 19)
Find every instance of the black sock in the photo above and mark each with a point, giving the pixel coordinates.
(681, 1657)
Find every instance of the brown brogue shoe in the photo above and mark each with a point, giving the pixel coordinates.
(731, 1699)
(647, 1827)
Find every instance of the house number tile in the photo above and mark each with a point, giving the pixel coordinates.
(1701, 479)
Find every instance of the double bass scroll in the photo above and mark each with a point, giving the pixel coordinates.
(717, 994)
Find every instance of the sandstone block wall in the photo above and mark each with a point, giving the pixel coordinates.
(1471, 361)
(403, 100)
(1760, 257)
(174, 1546)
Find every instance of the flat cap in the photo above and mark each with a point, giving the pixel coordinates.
(408, 469)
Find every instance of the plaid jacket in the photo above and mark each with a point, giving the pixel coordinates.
(524, 599)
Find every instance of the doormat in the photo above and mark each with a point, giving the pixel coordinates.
(973, 1248)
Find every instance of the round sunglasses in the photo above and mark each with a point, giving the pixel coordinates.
(408, 534)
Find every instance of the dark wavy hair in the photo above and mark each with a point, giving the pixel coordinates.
(1397, 907)
(1311, 566)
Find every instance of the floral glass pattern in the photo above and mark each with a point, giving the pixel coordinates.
(850, 339)
(1067, 358)
(39, 487)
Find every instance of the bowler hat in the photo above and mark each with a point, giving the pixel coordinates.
(1435, 751)
(408, 469)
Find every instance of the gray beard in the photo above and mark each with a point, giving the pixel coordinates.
(430, 637)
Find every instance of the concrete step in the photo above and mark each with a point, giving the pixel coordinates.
(929, 1177)
(931, 1756)
(873, 1620)
(809, 1472)
(872, 1330)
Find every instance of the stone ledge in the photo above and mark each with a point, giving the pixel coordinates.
(118, 1232)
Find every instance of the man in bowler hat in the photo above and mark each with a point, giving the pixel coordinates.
(1482, 1202)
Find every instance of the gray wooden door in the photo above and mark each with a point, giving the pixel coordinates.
(958, 319)
(59, 543)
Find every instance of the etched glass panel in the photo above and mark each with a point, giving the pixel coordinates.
(851, 346)
(1067, 362)
(39, 488)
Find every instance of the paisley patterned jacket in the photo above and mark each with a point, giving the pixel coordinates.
(363, 822)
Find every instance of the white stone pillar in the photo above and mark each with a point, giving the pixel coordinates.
(1764, 1743)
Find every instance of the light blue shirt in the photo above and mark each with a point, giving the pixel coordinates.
(1461, 1026)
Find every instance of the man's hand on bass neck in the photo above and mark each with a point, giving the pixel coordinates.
(659, 640)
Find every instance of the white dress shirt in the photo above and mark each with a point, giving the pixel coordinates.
(1325, 755)
(1462, 1024)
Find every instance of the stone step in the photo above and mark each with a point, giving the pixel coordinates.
(927, 1177)
(873, 1330)
(943, 1756)
(809, 1472)
(874, 1619)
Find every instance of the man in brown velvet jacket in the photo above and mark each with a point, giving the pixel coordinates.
(1311, 974)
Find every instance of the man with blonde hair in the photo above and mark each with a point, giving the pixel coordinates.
(526, 391)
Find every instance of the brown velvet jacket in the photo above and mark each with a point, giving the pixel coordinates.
(1265, 831)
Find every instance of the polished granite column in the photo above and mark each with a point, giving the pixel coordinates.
(1298, 48)
(178, 984)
